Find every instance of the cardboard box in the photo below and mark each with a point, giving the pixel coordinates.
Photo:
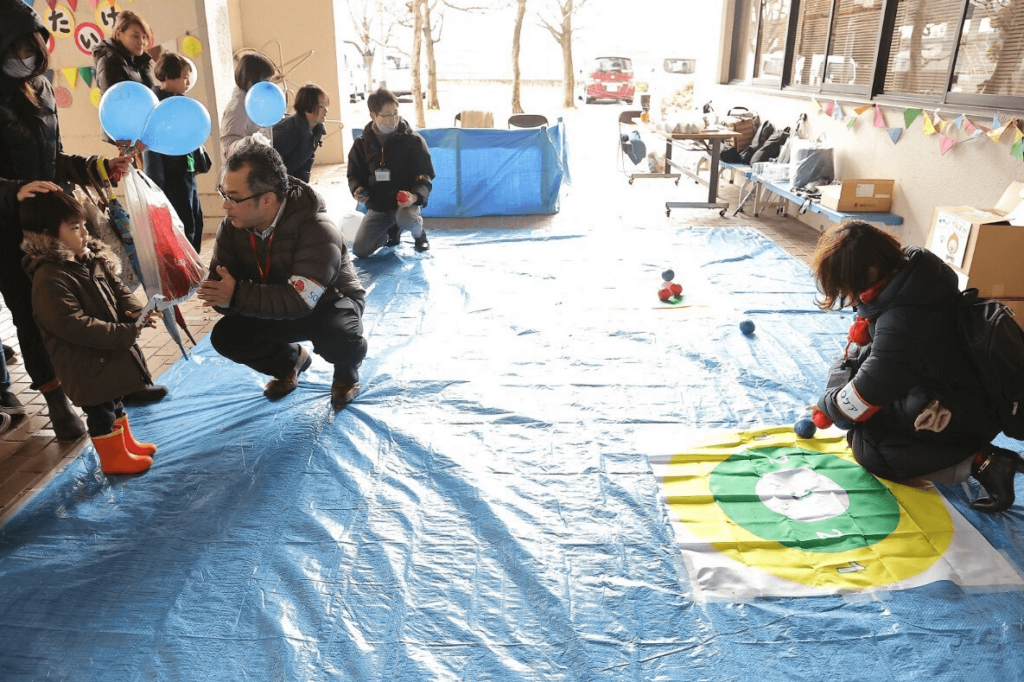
(981, 245)
(858, 195)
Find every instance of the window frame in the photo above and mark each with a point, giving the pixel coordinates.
(874, 89)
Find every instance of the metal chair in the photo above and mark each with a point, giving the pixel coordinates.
(527, 121)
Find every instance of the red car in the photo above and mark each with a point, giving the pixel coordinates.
(608, 78)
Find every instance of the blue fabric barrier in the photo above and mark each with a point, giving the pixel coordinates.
(486, 171)
(486, 509)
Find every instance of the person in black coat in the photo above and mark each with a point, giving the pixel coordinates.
(906, 389)
(176, 175)
(123, 57)
(297, 137)
(32, 160)
(389, 170)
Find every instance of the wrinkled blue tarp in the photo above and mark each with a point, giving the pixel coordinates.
(487, 172)
(486, 509)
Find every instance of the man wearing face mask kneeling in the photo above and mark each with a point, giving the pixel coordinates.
(389, 170)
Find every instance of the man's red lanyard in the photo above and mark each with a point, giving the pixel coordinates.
(264, 270)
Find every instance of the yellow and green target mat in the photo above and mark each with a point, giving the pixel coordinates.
(765, 513)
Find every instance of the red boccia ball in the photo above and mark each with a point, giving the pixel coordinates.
(677, 289)
(402, 196)
(664, 293)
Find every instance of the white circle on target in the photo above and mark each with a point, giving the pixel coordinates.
(802, 494)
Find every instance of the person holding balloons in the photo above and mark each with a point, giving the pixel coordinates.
(32, 161)
(236, 122)
(176, 175)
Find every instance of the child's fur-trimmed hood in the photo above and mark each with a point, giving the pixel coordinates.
(40, 248)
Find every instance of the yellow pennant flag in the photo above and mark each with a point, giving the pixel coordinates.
(815, 107)
(929, 129)
(70, 75)
(995, 134)
(1017, 134)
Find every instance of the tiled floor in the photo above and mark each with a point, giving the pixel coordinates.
(30, 454)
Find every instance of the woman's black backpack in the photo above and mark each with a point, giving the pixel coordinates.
(995, 344)
(769, 151)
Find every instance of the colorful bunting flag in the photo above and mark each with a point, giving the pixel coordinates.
(861, 110)
(70, 75)
(86, 73)
(997, 121)
(74, 5)
(1017, 134)
(29, 2)
(996, 133)
(51, 3)
(938, 122)
(837, 113)
(969, 127)
(894, 134)
(929, 129)
(879, 119)
(850, 121)
(959, 121)
(815, 107)
(828, 108)
(93, 3)
(910, 115)
(945, 143)
(1018, 149)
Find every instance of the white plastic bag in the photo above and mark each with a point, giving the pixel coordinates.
(168, 264)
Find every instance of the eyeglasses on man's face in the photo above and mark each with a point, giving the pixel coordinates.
(233, 201)
(388, 117)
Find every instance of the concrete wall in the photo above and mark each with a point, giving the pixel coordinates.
(975, 173)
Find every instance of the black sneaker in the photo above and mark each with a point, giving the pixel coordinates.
(421, 244)
(9, 403)
(393, 233)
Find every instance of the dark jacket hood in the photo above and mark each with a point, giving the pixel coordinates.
(41, 248)
(924, 280)
(303, 199)
(17, 19)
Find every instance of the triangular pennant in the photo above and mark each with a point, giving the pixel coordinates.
(959, 121)
(29, 2)
(850, 121)
(1017, 134)
(970, 128)
(938, 122)
(70, 75)
(894, 134)
(815, 107)
(74, 5)
(946, 143)
(837, 113)
(1018, 149)
(910, 115)
(51, 3)
(828, 108)
(86, 73)
(861, 110)
(879, 119)
(996, 133)
(93, 3)
(929, 129)
(997, 121)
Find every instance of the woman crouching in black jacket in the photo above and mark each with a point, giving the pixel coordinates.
(907, 390)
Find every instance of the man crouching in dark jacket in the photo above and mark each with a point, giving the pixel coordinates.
(281, 274)
(389, 170)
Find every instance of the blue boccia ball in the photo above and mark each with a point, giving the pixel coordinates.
(747, 327)
(805, 428)
(668, 275)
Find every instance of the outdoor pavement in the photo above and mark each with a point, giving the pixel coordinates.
(30, 454)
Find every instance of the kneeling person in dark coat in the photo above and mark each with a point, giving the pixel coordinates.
(297, 137)
(281, 274)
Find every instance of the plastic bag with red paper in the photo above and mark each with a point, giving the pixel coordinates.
(169, 266)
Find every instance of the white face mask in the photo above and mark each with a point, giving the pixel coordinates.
(387, 129)
(19, 68)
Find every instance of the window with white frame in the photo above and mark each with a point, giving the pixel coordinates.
(967, 52)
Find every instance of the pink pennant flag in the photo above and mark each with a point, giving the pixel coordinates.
(93, 3)
(879, 120)
(828, 108)
(946, 143)
(51, 3)
(969, 127)
(74, 5)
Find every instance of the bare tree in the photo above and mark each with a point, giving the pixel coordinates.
(429, 10)
(517, 107)
(373, 29)
(556, 17)
(417, 47)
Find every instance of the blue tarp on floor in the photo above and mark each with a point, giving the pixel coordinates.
(486, 510)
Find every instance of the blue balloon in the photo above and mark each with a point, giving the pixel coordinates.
(124, 109)
(265, 104)
(177, 126)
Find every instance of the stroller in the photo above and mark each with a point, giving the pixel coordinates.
(632, 150)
